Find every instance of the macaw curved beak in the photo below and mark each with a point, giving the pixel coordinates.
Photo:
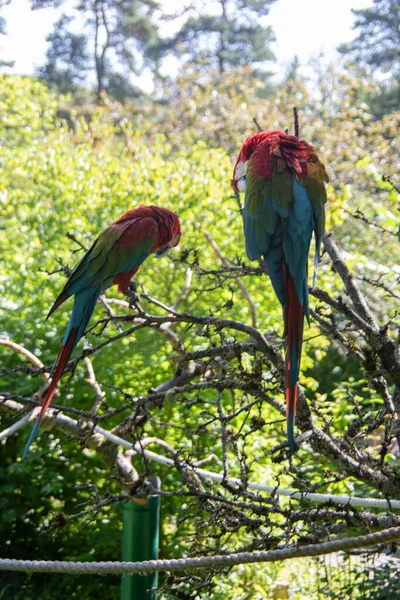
(164, 250)
(239, 176)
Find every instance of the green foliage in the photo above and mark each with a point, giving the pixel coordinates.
(59, 179)
(35, 506)
(28, 114)
(352, 577)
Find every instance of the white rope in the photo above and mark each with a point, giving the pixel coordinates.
(294, 494)
(346, 500)
(148, 566)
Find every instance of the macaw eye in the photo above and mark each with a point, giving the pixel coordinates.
(241, 184)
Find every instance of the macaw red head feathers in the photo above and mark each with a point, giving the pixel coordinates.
(274, 150)
(240, 170)
(169, 230)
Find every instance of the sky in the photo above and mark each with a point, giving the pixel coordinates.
(302, 27)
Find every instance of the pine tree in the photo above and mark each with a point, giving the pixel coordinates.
(114, 45)
(4, 63)
(68, 60)
(378, 40)
(227, 33)
(378, 46)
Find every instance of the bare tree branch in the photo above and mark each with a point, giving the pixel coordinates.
(242, 287)
(96, 387)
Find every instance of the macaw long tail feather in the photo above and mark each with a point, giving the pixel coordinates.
(58, 368)
(61, 298)
(294, 321)
(291, 398)
(82, 310)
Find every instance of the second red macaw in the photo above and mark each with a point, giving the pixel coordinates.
(283, 180)
(113, 259)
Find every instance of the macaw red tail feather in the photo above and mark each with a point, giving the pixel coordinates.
(294, 321)
(58, 368)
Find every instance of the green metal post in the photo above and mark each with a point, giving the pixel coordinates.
(141, 523)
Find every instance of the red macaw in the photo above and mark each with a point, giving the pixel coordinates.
(113, 259)
(283, 180)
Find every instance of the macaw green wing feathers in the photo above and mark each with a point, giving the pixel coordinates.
(281, 192)
(95, 257)
(316, 191)
(120, 248)
(113, 258)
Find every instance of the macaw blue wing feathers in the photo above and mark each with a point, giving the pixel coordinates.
(284, 204)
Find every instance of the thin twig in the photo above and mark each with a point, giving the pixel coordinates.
(26, 353)
(33, 413)
(387, 179)
(351, 287)
(257, 125)
(242, 287)
(359, 215)
(95, 385)
(71, 237)
(9, 431)
(296, 122)
(110, 312)
(185, 291)
(238, 201)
